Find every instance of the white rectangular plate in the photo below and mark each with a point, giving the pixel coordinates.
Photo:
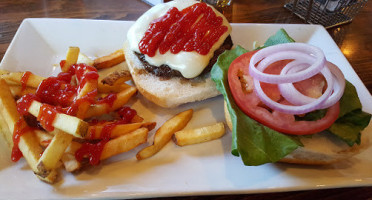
(207, 168)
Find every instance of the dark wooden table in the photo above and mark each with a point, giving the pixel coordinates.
(354, 38)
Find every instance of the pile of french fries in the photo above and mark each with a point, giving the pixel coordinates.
(46, 152)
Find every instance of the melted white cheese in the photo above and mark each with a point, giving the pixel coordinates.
(190, 64)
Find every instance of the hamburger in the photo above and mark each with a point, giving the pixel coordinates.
(270, 124)
(171, 49)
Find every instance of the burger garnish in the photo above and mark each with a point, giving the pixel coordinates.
(268, 103)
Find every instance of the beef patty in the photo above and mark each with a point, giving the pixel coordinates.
(166, 72)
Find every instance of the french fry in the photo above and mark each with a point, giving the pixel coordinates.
(70, 163)
(28, 143)
(82, 58)
(53, 153)
(43, 137)
(46, 152)
(109, 60)
(94, 132)
(199, 135)
(121, 99)
(68, 159)
(124, 143)
(8, 106)
(51, 178)
(117, 77)
(69, 124)
(5, 131)
(88, 87)
(71, 58)
(164, 134)
(17, 91)
(14, 78)
(137, 119)
(61, 140)
(3, 71)
(116, 88)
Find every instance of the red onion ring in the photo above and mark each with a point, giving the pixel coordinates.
(299, 49)
(296, 110)
(308, 61)
(292, 95)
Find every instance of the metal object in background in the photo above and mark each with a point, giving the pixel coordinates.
(219, 3)
(329, 13)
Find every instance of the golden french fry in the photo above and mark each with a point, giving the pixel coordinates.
(45, 152)
(94, 132)
(53, 153)
(73, 147)
(8, 106)
(164, 134)
(51, 178)
(124, 143)
(121, 99)
(3, 71)
(43, 137)
(82, 58)
(109, 60)
(5, 131)
(70, 163)
(116, 88)
(88, 87)
(137, 119)
(71, 58)
(17, 91)
(69, 160)
(117, 77)
(69, 124)
(199, 135)
(30, 149)
(28, 144)
(15, 78)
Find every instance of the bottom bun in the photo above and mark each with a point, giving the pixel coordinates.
(170, 92)
(319, 149)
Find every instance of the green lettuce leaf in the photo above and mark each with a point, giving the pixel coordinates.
(280, 37)
(351, 120)
(257, 144)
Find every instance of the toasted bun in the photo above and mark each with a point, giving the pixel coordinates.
(168, 93)
(320, 149)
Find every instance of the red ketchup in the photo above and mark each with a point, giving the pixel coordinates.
(85, 73)
(93, 151)
(58, 94)
(195, 28)
(25, 102)
(109, 100)
(24, 79)
(57, 91)
(46, 117)
(20, 128)
(73, 108)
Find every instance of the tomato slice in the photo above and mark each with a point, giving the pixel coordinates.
(241, 87)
